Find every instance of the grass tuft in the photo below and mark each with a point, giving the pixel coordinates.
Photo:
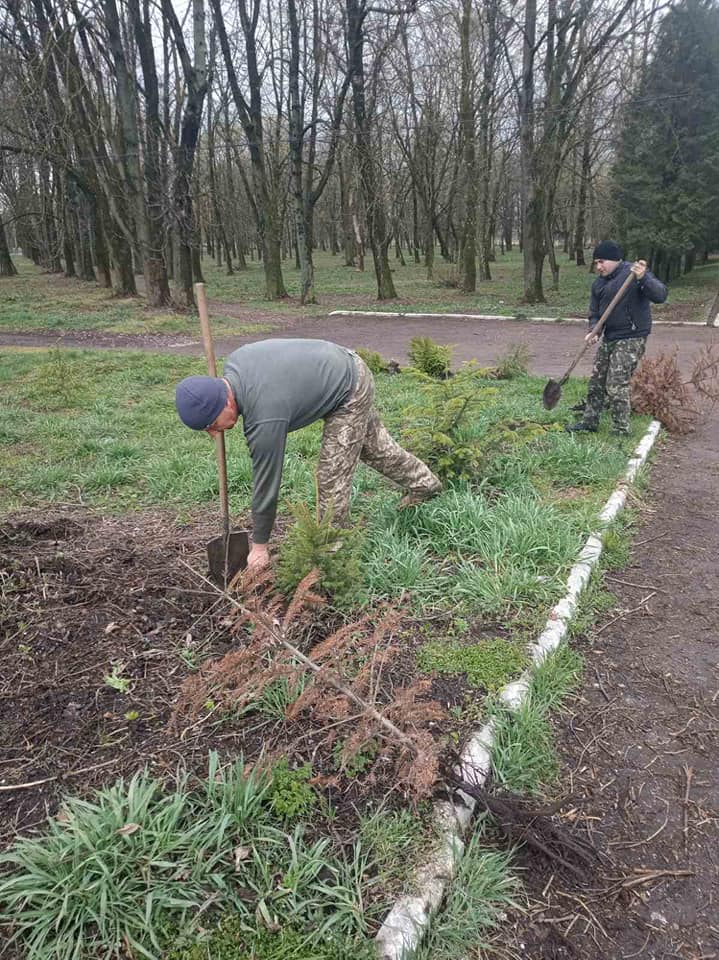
(482, 890)
(138, 865)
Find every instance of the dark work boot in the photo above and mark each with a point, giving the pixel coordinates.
(580, 427)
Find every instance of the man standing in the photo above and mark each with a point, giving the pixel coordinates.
(278, 386)
(624, 337)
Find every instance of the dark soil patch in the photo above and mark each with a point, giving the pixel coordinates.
(101, 622)
(640, 747)
(86, 598)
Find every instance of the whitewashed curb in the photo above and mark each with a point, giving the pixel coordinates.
(408, 920)
(398, 315)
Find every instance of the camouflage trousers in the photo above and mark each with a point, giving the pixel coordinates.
(355, 432)
(614, 364)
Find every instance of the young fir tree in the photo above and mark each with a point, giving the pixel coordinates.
(666, 177)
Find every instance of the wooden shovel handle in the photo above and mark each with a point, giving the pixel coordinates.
(220, 438)
(602, 320)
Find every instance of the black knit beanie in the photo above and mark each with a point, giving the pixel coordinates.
(608, 250)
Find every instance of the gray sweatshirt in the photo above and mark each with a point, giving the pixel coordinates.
(281, 386)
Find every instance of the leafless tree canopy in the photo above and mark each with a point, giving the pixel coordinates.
(136, 136)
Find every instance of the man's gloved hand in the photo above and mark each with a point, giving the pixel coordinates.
(591, 337)
(258, 557)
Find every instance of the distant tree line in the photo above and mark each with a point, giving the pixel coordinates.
(135, 137)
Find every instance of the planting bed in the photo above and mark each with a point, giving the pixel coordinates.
(101, 622)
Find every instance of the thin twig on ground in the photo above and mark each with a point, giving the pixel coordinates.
(58, 776)
(688, 774)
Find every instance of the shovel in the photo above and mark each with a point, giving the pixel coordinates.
(226, 554)
(553, 389)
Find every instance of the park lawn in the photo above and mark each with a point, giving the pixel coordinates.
(475, 570)
(100, 429)
(39, 302)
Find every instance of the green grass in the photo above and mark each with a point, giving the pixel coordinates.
(488, 664)
(395, 839)
(100, 428)
(42, 303)
(524, 758)
(480, 893)
(140, 866)
(34, 301)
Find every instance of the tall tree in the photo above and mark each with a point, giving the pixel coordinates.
(560, 65)
(194, 70)
(370, 171)
(265, 190)
(667, 171)
(7, 267)
(141, 167)
(468, 150)
(307, 186)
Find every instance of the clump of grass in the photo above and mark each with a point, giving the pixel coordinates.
(393, 837)
(137, 862)
(278, 697)
(230, 940)
(489, 664)
(595, 601)
(480, 893)
(514, 363)
(524, 759)
(59, 378)
(557, 677)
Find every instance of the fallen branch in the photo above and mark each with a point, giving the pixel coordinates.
(627, 613)
(688, 774)
(274, 629)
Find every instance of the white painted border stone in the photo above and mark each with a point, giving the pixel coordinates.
(389, 314)
(409, 918)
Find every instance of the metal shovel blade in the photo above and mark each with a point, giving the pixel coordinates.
(227, 555)
(552, 393)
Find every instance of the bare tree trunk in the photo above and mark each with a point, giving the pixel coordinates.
(370, 176)
(269, 221)
(468, 235)
(584, 178)
(68, 212)
(7, 267)
(148, 216)
(348, 235)
(101, 253)
(533, 213)
(296, 124)
(196, 87)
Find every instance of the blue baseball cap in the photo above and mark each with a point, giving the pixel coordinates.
(200, 400)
